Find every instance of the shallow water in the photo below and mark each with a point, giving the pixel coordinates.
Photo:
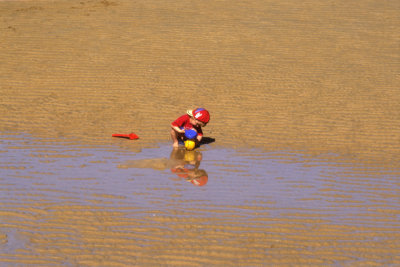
(65, 205)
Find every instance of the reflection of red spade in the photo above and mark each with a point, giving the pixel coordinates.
(130, 136)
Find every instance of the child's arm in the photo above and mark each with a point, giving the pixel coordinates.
(177, 129)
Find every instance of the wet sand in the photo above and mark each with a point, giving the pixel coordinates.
(311, 87)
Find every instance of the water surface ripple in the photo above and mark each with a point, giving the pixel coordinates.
(69, 205)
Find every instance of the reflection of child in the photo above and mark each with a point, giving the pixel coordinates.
(194, 119)
(197, 177)
(186, 164)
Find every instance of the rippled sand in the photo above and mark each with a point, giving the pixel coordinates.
(313, 76)
(318, 80)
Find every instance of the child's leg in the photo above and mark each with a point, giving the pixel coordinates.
(175, 135)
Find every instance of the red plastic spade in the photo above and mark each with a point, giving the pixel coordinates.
(130, 136)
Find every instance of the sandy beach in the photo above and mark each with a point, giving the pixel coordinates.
(317, 79)
(313, 77)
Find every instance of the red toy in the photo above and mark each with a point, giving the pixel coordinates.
(130, 136)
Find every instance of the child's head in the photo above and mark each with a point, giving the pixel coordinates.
(198, 177)
(199, 117)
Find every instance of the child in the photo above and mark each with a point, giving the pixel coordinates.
(194, 119)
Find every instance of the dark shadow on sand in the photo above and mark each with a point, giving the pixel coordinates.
(206, 140)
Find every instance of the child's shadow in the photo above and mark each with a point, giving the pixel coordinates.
(207, 140)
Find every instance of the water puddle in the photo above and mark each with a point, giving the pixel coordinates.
(65, 205)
